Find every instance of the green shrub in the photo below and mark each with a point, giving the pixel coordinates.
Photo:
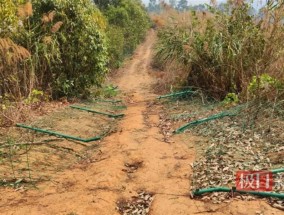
(57, 46)
(264, 84)
(222, 50)
(77, 45)
(231, 98)
(35, 97)
(128, 24)
(8, 16)
(116, 44)
(63, 47)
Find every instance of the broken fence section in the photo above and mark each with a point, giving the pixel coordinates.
(54, 133)
(97, 112)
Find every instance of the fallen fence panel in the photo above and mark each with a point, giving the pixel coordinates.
(97, 112)
(53, 133)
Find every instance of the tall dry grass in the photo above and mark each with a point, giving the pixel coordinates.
(221, 51)
(25, 67)
(16, 78)
(16, 71)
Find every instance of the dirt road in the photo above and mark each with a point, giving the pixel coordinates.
(160, 168)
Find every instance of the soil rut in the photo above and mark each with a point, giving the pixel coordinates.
(135, 158)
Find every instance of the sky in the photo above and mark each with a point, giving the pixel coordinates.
(256, 4)
(191, 2)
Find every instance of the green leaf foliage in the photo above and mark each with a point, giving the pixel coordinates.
(81, 46)
(65, 47)
(128, 23)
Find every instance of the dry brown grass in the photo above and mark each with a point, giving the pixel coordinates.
(12, 53)
(56, 27)
(25, 10)
(172, 76)
(173, 18)
(46, 18)
(220, 53)
(15, 73)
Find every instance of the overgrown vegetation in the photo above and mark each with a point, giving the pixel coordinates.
(226, 51)
(234, 58)
(40, 52)
(128, 23)
(63, 48)
(58, 49)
